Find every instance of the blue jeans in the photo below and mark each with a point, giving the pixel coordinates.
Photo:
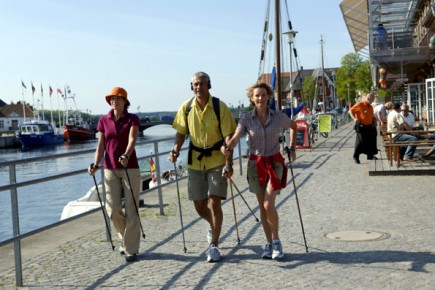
(410, 150)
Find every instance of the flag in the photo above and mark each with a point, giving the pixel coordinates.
(51, 91)
(272, 104)
(59, 91)
(152, 165)
(273, 78)
(33, 89)
(24, 86)
(42, 91)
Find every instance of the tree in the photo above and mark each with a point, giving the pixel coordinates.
(363, 77)
(353, 76)
(308, 89)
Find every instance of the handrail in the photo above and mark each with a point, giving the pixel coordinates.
(13, 186)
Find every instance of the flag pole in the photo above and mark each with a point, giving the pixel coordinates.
(24, 102)
(42, 102)
(58, 106)
(51, 104)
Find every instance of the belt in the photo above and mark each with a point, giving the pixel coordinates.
(204, 151)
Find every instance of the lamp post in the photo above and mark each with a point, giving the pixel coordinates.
(290, 38)
(348, 94)
(334, 105)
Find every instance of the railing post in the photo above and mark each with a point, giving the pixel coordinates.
(159, 190)
(16, 227)
(240, 157)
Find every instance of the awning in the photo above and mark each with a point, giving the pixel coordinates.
(397, 16)
(356, 17)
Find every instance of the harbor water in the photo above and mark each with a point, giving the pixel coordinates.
(42, 204)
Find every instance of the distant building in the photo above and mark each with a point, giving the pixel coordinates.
(12, 115)
(298, 78)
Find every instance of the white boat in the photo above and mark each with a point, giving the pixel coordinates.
(159, 131)
(90, 200)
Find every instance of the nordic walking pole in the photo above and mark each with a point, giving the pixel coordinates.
(179, 206)
(134, 201)
(296, 195)
(232, 182)
(103, 210)
(234, 210)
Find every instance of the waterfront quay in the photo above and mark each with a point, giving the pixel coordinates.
(362, 232)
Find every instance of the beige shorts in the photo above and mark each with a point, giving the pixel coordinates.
(203, 183)
(254, 184)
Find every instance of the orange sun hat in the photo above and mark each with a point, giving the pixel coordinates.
(118, 92)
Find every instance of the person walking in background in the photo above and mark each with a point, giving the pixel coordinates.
(117, 134)
(207, 167)
(396, 122)
(365, 128)
(267, 173)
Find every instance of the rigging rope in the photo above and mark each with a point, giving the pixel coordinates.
(264, 41)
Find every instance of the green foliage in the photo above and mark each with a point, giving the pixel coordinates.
(363, 77)
(308, 89)
(383, 93)
(352, 77)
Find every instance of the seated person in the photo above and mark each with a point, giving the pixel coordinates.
(395, 123)
(407, 115)
(429, 153)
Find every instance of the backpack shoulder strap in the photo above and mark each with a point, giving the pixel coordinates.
(188, 108)
(217, 111)
(216, 108)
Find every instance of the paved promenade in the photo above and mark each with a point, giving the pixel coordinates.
(338, 201)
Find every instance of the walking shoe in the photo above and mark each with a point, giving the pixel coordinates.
(409, 159)
(213, 254)
(277, 251)
(356, 159)
(267, 253)
(209, 236)
(130, 257)
(121, 250)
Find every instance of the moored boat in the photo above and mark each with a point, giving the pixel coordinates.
(75, 128)
(37, 133)
(78, 132)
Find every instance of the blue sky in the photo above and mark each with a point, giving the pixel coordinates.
(152, 48)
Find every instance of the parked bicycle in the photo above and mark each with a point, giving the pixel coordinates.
(314, 132)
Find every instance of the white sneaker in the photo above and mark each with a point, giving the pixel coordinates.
(213, 254)
(209, 236)
(277, 251)
(267, 253)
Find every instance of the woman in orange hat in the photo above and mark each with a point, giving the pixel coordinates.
(117, 134)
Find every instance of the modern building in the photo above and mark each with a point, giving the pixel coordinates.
(398, 36)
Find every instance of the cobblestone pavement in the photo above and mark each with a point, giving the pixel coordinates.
(335, 195)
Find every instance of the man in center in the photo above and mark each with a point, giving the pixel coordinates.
(209, 123)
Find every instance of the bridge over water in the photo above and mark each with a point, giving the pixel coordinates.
(145, 125)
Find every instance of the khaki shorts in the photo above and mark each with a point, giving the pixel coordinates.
(254, 184)
(203, 183)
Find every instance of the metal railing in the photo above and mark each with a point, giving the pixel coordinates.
(14, 185)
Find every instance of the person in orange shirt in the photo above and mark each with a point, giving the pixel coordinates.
(365, 127)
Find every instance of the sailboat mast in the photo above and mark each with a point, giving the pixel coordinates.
(323, 75)
(278, 52)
